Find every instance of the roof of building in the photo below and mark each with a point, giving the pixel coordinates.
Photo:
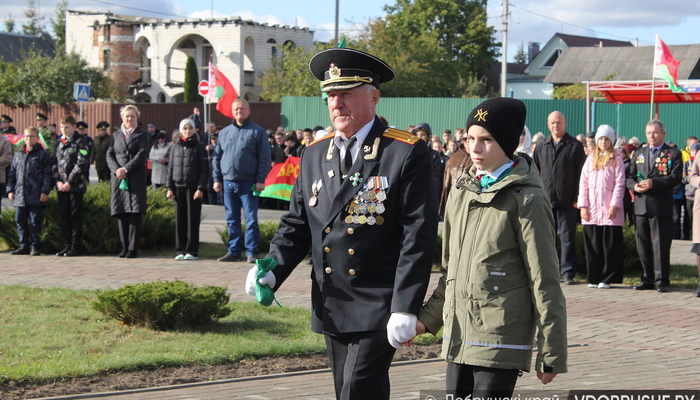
(12, 45)
(585, 41)
(579, 64)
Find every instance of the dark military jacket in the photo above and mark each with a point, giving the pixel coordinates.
(372, 253)
(72, 162)
(99, 152)
(30, 175)
(665, 171)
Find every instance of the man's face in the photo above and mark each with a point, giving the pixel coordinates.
(352, 109)
(151, 129)
(196, 111)
(446, 137)
(484, 150)
(279, 139)
(4, 124)
(103, 131)
(41, 123)
(556, 124)
(82, 131)
(655, 136)
(211, 127)
(240, 111)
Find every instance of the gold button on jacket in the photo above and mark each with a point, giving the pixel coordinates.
(351, 272)
(328, 270)
(327, 230)
(351, 251)
(351, 231)
(327, 249)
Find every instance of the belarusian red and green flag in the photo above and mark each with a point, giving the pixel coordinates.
(221, 88)
(665, 66)
(280, 180)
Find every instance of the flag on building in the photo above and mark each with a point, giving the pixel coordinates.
(280, 180)
(221, 88)
(665, 66)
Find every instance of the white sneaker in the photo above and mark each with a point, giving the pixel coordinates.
(592, 285)
(180, 257)
(603, 285)
(190, 257)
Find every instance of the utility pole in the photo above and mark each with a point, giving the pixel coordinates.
(337, 7)
(504, 60)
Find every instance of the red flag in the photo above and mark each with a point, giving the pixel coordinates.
(280, 180)
(223, 89)
(665, 66)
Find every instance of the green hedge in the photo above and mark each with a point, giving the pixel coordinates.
(100, 232)
(267, 232)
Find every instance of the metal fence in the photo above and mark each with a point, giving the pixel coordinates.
(169, 115)
(681, 120)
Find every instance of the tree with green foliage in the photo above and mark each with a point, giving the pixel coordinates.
(33, 25)
(191, 94)
(520, 56)
(58, 25)
(435, 46)
(577, 91)
(289, 75)
(39, 79)
(9, 23)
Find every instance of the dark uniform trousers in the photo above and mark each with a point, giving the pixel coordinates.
(188, 213)
(71, 207)
(362, 271)
(654, 210)
(103, 175)
(129, 230)
(463, 380)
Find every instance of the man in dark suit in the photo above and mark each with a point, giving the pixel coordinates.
(654, 173)
(365, 204)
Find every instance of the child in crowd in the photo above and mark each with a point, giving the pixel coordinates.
(600, 198)
(501, 270)
(70, 172)
(29, 183)
(188, 172)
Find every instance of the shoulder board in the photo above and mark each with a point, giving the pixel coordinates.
(401, 136)
(328, 136)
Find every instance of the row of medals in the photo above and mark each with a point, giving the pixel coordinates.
(663, 165)
(364, 206)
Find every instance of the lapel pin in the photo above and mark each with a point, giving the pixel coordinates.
(331, 174)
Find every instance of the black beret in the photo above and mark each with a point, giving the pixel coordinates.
(342, 69)
(102, 124)
(40, 116)
(5, 118)
(423, 126)
(81, 125)
(504, 118)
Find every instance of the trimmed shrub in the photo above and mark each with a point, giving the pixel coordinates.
(100, 232)
(164, 305)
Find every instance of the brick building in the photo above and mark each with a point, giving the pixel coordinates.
(147, 56)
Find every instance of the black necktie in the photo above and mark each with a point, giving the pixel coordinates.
(346, 164)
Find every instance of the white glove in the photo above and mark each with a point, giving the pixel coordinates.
(269, 279)
(401, 328)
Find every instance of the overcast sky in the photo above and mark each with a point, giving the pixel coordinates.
(677, 22)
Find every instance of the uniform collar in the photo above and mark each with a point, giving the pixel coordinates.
(361, 135)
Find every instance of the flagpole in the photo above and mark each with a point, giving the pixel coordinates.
(651, 109)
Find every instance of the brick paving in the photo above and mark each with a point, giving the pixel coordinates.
(619, 338)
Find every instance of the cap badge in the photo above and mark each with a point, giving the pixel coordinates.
(334, 71)
(481, 115)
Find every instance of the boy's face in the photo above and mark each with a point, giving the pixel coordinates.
(31, 138)
(308, 138)
(423, 135)
(486, 153)
(67, 129)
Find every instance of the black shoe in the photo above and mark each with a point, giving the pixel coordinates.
(21, 251)
(72, 253)
(131, 254)
(229, 258)
(35, 252)
(123, 253)
(662, 289)
(310, 261)
(569, 281)
(644, 286)
(697, 292)
(63, 252)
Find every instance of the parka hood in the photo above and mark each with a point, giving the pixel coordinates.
(525, 173)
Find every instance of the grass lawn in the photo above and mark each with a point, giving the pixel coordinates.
(48, 334)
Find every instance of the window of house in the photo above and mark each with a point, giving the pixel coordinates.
(107, 59)
(107, 33)
(552, 59)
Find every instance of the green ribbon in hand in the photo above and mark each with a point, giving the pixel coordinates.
(124, 184)
(264, 294)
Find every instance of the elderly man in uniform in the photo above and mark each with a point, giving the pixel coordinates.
(98, 156)
(364, 202)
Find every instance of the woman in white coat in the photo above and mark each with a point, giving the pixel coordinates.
(159, 160)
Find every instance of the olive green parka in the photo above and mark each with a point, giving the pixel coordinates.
(500, 286)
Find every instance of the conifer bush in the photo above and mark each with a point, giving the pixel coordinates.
(164, 305)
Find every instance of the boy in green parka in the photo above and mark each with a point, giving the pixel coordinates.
(501, 271)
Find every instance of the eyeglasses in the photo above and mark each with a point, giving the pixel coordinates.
(30, 136)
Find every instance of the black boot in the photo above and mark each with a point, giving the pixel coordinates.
(697, 292)
(63, 252)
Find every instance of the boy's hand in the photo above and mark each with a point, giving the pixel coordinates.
(170, 194)
(11, 196)
(65, 187)
(198, 194)
(59, 185)
(545, 377)
(43, 198)
(585, 214)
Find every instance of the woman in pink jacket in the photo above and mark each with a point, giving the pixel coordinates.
(601, 193)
